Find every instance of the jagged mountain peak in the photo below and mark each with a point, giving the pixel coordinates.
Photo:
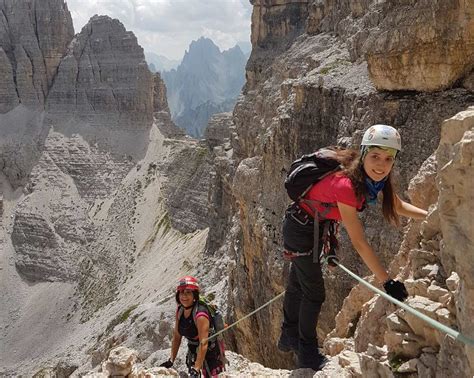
(203, 52)
(203, 43)
(233, 51)
(206, 82)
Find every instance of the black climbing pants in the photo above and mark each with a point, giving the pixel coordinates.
(305, 291)
(303, 299)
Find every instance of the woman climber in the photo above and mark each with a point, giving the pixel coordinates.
(337, 197)
(195, 322)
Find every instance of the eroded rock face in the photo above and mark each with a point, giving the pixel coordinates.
(79, 151)
(187, 185)
(161, 111)
(103, 89)
(276, 19)
(34, 36)
(308, 92)
(410, 45)
(422, 45)
(219, 128)
(456, 206)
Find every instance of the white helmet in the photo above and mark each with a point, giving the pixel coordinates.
(382, 135)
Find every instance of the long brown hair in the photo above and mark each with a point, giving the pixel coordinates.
(352, 164)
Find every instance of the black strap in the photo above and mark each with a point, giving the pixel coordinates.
(318, 217)
(316, 237)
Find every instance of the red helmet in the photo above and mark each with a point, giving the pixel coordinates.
(187, 282)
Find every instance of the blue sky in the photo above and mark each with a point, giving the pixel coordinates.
(166, 27)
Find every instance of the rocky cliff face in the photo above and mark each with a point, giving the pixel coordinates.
(206, 82)
(93, 110)
(309, 85)
(104, 89)
(103, 206)
(94, 188)
(34, 36)
(436, 273)
(161, 111)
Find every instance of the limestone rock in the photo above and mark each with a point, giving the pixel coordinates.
(452, 359)
(372, 368)
(373, 312)
(8, 92)
(348, 358)
(452, 282)
(409, 367)
(429, 270)
(452, 131)
(308, 91)
(419, 327)
(219, 129)
(420, 258)
(160, 102)
(62, 369)
(34, 36)
(188, 177)
(292, 16)
(120, 362)
(456, 209)
(417, 287)
(426, 366)
(103, 89)
(431, 227)
(161, 111)
(416, 46)
(468, 82)
(405, 344)
(21, 146)
(422, 188)
(221, 216)
(39, 250)
(396, 324)
(435, 292)
(335, 345)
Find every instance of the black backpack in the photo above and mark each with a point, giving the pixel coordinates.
(310, 169)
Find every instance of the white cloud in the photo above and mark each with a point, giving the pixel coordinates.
(167, 27)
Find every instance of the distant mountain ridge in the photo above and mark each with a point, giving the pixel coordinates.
(206, 82)
(160, 63)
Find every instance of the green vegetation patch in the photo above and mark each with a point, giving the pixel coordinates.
(121, 318)
(333, 65)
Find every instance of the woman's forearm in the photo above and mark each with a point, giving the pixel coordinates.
(370, 259)
(176, 342)
(411, 211)
(201, 355)
(356, 233)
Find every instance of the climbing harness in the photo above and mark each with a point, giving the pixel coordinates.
(323, 228)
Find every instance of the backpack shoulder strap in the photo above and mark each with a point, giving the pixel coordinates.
(179, 312)
(201, 307)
